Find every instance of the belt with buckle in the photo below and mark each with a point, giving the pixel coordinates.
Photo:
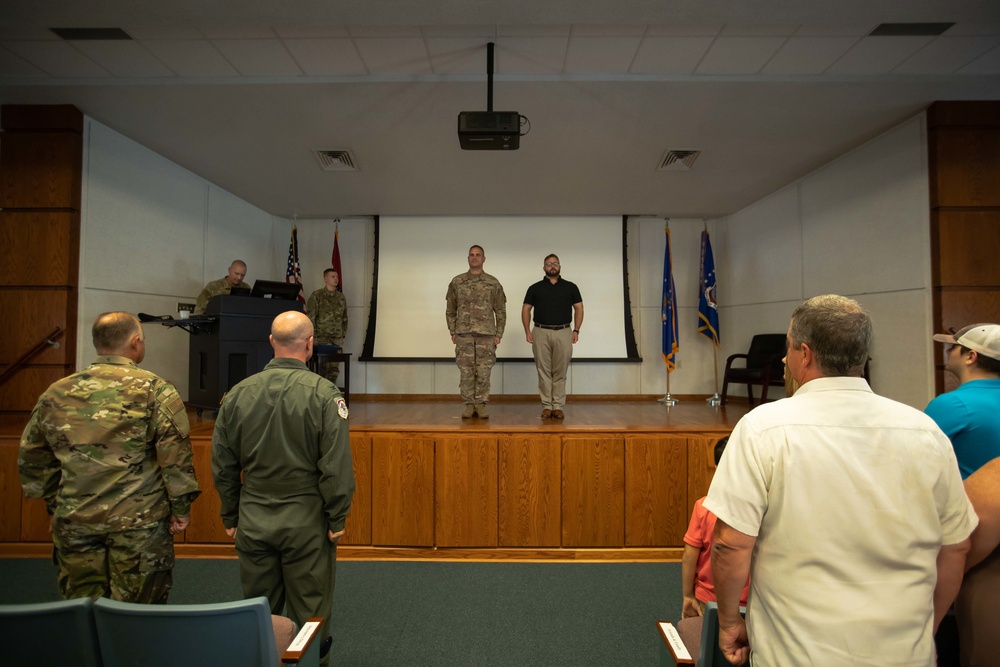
(553, 327)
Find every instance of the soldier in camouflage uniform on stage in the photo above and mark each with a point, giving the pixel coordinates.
(476, 315)
(234, 278)
(327, 308)
(107, 449)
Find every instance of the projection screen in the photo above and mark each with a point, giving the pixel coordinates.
(416, 258)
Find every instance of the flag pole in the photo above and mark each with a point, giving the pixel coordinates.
(668, 315)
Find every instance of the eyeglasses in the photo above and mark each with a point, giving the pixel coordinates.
(551, 263)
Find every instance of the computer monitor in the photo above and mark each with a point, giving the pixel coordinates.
(273, 289)
(239, 291)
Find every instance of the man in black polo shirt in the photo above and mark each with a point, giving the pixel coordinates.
(556, 302)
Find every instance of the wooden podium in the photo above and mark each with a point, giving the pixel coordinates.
(233, 347)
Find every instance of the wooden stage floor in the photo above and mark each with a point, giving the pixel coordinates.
(520, 416)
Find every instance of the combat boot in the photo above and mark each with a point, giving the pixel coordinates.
(481, 411)
(470, 411)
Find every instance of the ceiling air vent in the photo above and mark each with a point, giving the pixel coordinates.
(909, 29)
(676, 160)
(338, 160)
(91, 34)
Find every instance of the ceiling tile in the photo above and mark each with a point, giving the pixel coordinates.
(258, 57)
(57, 59)
(188, 57)
(144, 31)
(384, 31)
(533, 30)
(311, 31)
(974, 28)
(601, 55)
(808, 55)
(391, 55)
(457, 55)
(12, 65)
(739, 55)
(670, 55)
(486, 32)
(676, 30)
(986, 64)
(834, 29)
(946, 54)
(877, 55)
(236, 31)
(596, 30)
(531, 55)
(326, 57)
(758, 29)
(26, 32)
(123, 58)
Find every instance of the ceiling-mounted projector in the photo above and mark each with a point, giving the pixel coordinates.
(489, 130)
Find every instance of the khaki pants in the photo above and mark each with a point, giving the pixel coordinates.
(552, 350)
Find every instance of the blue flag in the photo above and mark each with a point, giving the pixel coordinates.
(708, 307)
(668, 312)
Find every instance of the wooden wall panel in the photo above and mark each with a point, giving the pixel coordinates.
(960, 307)
(701, 467)
(359, 521)
(206, 523)
(29, 316)
(42, 248)
(655, 491)
(466, 492)
(10, 491)
(402, 491)
(965, 166)
(41, 170)
(968, 247)
(21, 391)
(35, 521)
(529, 491)
(593, 492)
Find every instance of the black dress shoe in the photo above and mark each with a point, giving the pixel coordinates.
(324, 647)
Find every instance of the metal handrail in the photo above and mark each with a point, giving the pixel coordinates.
(48, 340)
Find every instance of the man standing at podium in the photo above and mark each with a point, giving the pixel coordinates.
(327, 308)
(476, 314)
(285, 431)
(237, 271)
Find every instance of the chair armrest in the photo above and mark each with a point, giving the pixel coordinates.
(733, 357)
(304, 649)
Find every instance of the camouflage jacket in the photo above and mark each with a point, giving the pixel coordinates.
(108, 449)
(214, 288)
(328, 312)
(476, 304)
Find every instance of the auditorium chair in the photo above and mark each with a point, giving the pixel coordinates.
(49, 633)
(762, 367)
(700, 636)
(201, 635)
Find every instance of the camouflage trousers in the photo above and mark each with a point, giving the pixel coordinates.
(132, 566)
(475, 356)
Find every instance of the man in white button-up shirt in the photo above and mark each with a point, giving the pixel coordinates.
(846, 508)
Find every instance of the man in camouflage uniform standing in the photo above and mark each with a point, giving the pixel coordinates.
(327, 308)
(108, 450)
(476, 315)
(237, 271)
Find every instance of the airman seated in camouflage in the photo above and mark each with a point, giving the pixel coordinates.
(108, 450)
(327, 308)
(476, 314)
(237, 271)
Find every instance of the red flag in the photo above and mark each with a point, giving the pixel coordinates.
(335, 260)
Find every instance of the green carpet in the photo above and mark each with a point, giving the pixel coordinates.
(444, 614)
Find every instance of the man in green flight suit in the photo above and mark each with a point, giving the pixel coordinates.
(108, 450)
(285, 429)
(327, 308)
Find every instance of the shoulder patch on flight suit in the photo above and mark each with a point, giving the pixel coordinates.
(341, 407)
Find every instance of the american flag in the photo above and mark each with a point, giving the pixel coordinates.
(293, 273)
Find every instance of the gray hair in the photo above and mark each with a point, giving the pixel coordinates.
(838, 331)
